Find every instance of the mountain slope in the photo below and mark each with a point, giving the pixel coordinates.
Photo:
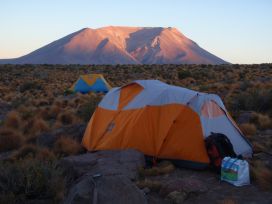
(121, 45)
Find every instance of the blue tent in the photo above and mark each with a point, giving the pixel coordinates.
(91, 83)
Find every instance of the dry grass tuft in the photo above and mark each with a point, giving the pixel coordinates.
(165, 167)
(147, 183)
(40, 126)
(257, 147)
(57, 125)
(13, 120)
(10, 139)
(44, 113)
(264, 121)
(26, 151)
(67, 117)
(248, 129)
(37, 126)
(45, 155)
(41, 102)
(26, 112)
(54, 111)
(67, 146)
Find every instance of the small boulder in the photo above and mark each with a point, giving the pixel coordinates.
(105, 189)
(107, 162)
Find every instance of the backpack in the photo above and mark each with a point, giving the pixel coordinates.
(218, 146)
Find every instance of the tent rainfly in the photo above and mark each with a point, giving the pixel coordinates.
(91, 82)
(162, 121)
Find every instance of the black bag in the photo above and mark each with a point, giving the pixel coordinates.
(218, 146)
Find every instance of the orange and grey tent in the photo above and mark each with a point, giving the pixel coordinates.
(162, 121)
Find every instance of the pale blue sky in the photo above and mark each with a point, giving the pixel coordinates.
(239, 31)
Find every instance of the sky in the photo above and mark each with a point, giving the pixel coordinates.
(238, 31)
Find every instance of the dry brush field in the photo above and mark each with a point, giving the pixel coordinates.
(35, 102)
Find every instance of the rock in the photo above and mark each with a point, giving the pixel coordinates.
(104, 176)
(177, 197)
(105, 189)
(75, 132)
(107, 162)
(188, 185)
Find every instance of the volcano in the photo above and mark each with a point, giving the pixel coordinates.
(120, 45)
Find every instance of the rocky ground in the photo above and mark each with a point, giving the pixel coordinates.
(113, 177)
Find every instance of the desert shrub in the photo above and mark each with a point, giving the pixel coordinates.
(57, 102)
(13, 120)
(65, 146)
(202, 74)
(33, 151)
(44, 113)
(28, 150)
(41, 102)
(18, 102)
(36, 126)
(248, 129)
(54, 111)
(30, 85)
(67, 117)
(86, 110)
(10, 139)
(263, 121)
(245, 85)
(258, 147)
(26, 112)
(45, 155)
(254, 100)
(27, 180)
(183, 74)
(203, 88)
(40, 126)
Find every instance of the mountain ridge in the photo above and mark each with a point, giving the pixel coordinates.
(120, 45)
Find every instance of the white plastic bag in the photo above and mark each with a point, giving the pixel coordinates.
(235, 171)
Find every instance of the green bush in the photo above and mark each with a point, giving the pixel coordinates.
(31, 180)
